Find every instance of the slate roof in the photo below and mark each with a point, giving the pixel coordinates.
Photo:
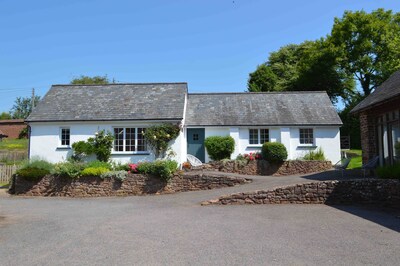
(387, 91)
(122, 102)
(256, 109)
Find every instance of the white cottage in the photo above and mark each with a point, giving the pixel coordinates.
(302, 121)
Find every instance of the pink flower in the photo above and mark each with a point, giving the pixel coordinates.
(133, 168)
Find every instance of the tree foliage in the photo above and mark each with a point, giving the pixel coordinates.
(309, 66)
(5, 116)
(23, 107)
(368, 46)
(87, 80)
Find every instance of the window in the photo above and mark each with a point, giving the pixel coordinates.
(306, 136)
(65, 137)
(129, 139)
(258, 136)
(195, 137)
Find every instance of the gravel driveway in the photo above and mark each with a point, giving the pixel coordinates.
(176, 230)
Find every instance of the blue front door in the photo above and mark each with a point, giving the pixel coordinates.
(195, 143)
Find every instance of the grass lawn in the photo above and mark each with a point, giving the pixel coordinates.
(356, 159)
(14, 144)
(3, 185)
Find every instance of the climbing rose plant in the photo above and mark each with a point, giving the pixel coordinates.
(159, 136)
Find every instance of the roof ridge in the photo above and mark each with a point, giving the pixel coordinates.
(263, 92)
(114, 84)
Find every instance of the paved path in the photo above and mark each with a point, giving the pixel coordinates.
(176, 230)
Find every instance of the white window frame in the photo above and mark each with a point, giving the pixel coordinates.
(61, 137)
(124, 141)
(313, 137)
(258, 144)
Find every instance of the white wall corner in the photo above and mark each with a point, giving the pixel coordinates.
(234, 133)
(285, 140)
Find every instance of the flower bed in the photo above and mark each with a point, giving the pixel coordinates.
(132, 184)
(262, 167)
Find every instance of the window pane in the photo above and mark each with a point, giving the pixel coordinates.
(65, 136)
(130, 139)
(141, 142)
(264, 135)
(306, 136)
(118, 139)
(253, 136)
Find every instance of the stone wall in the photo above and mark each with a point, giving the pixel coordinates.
(134, 184)
(262, 167)
(367, 191)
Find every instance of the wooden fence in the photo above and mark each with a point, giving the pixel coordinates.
(13, 156)
(6, 171)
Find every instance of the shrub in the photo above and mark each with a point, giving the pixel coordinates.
(97, 164)
(68, 169)
(389, 172)
(317, 155)
(219, 147)
(118, 175)
(81, 150)
(32, 173)
(118, 166)
(94, 171)
(39, 164)
(164, 169)
(158, 137)
(100, 145)
(274, 152)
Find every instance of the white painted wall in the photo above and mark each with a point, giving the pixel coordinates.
(45, 141)
(327, 138)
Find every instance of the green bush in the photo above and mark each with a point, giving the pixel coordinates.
(274, 152)
(38, 163)
(164, 169)
(118, 166)
(94, 171)
(68, 169)
(219, 148)
(100, 145)
(317, 155)
(389, 172)
(97, 164)
(32, 173)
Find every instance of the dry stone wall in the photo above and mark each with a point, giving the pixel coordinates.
(262, 167)
(134, 184)
(367, 191)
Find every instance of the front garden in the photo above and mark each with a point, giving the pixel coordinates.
(272, 160)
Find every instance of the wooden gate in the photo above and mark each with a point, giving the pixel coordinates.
(6, 171)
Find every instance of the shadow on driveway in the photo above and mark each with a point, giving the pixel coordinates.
(389, 218)
(335, 175)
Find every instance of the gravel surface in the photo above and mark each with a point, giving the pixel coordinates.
(176, 230)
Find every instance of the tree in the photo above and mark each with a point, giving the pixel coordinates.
(86, 80)
(309, 66)
(368, 46)
(263, 79)
(5, 116)
(23, 107)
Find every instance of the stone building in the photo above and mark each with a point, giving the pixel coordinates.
(379, 121)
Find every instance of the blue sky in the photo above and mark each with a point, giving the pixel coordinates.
(213, 45)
